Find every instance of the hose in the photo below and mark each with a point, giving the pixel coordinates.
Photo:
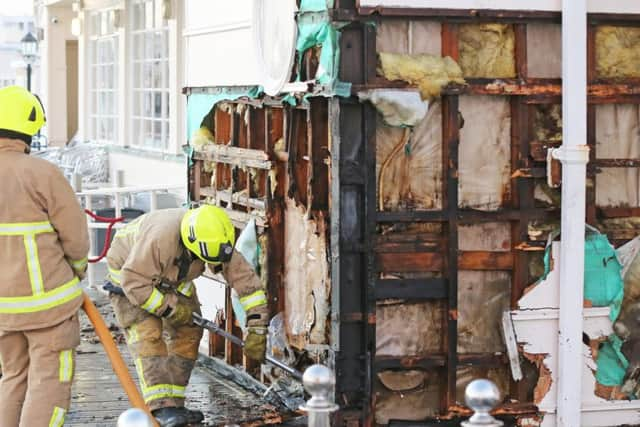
(107, 240)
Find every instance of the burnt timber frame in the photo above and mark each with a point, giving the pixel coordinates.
(357, 130)
(357, 254)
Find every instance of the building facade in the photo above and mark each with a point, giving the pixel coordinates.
(113, 76)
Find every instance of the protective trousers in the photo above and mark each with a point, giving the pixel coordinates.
(164, 355)
(37, 372)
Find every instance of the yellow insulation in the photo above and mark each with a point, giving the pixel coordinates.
(618, 51)
(430, 73)
(487, 50)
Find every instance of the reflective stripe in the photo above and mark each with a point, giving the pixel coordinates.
(29, 230)
(186, 289)
(20, 229)
(154, 302)
(254, 300)
(162, 391)
(57, 419)
(133, 335)
(115, 275)
(131, 228)
(159, 391)
(80, 264)
(44, 301)
(66, 366)
(33, 263)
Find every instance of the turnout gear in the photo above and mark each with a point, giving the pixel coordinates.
(44, 243)
(21, 114)
(155, 270)
(255, 345)
(208, 233)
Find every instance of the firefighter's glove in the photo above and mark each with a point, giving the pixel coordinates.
(255, 345)
(180, 315)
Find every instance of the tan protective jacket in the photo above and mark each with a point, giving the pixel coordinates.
(148, 252)
(44, 242)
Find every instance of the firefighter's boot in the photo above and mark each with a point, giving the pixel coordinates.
(171, 417)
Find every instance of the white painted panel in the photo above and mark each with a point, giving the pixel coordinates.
(595, 6)
(208, 14)
(221, 59)
(211, 295)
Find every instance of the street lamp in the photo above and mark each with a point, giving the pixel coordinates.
(29, 46)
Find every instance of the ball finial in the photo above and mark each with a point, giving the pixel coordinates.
(134, 417)
(482, 396)
(319, 382)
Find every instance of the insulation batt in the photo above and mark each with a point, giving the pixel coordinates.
(430, 73)
(487, 50)
(618, 51)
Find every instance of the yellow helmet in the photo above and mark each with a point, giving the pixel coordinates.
(21, 113)
(208, 232)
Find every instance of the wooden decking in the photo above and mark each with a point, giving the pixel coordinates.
(98, 399)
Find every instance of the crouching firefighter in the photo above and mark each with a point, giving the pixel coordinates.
(152, 263)
(44, 243)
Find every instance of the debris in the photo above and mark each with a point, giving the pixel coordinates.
(201, 138)
(430, 73)
(487, 50)
(617, 51)
(397, 107)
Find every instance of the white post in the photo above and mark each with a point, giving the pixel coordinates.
(118, 183)
(91, 266)
(153, 201)
(574, 155)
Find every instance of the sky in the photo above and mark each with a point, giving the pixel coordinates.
(16, 7)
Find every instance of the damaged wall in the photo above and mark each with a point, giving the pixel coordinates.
(618, 137)
(407, 395)
(306, 280)
(544, 50)
(617, 51)
(485, 152)
(487, 50)
(482, 295)
(412, 178)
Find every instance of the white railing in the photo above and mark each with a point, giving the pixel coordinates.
(119, 198)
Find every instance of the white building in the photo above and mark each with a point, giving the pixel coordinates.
(12, 65)
(111, 73)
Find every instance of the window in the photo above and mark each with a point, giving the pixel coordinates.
(150, 78)
(103, 77)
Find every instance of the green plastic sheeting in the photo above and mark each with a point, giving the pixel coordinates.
(315, 29)
(316, 5)
(603, 284)
(612, 365)
(199, 104)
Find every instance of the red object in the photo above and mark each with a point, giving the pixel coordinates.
(107, 240)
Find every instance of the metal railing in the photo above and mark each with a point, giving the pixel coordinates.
(481, 397)
(119, 197)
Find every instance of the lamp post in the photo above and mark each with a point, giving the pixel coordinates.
(29, 47)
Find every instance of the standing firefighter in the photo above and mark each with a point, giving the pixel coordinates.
(43, 248)
(154, 260)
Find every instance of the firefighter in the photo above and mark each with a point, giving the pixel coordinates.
(44, 243)
(152, 263)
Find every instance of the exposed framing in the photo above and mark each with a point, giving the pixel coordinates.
(527, 163)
